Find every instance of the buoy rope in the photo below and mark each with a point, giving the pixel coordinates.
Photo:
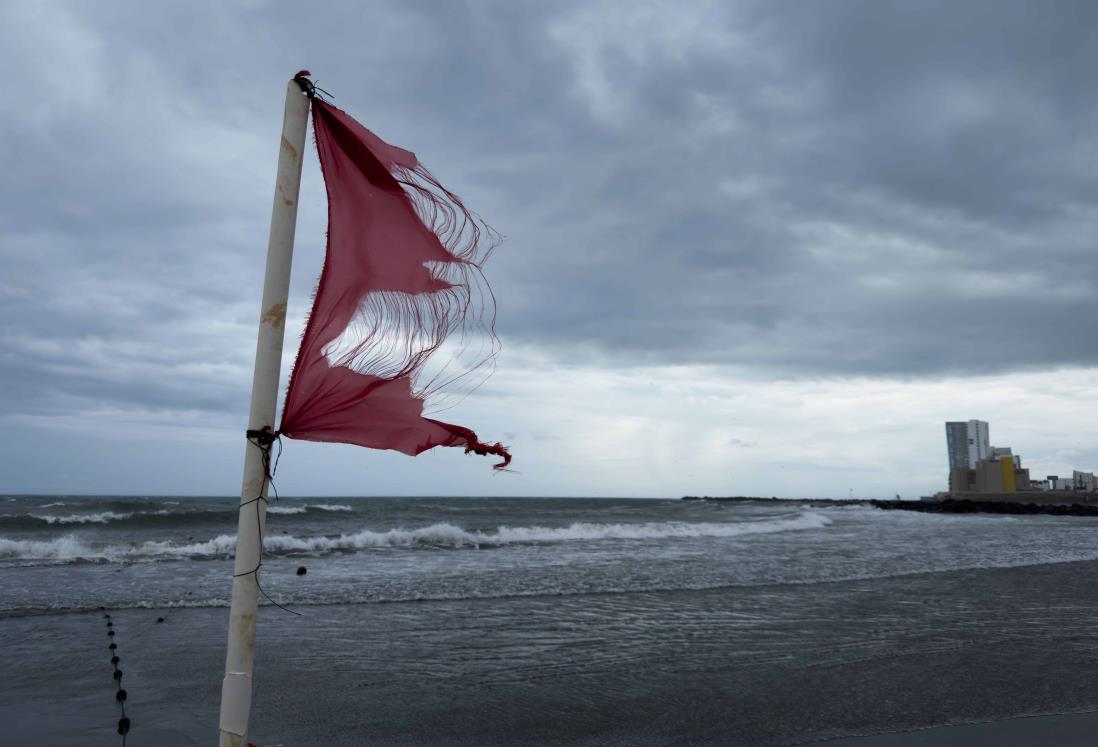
(120, 693)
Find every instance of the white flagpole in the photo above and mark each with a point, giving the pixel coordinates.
(236, 688)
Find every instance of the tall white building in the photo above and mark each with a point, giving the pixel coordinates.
(967, 443)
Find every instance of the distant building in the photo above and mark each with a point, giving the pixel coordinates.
(962, 480)
(995, 476)
(1005, 452)
(977, 467)
(1084, 481)
(992, 476)
(967, 443)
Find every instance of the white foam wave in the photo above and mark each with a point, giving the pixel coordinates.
(434, 536)
(898, 515)
(654, 530)
(52, 505)
(61, 548)
(99, 518)
(308, 507)
(449, 536)
(102, 517)
(222, 545)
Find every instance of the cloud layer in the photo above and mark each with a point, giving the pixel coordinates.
(838, 191)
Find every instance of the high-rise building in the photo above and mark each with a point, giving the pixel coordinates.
(967, 443)
(957, 445)
(1005, 452)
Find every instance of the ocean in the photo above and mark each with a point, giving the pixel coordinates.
(547, 620)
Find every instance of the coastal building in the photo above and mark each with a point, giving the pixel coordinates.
(962, 480)
(1002, 475)
(1005, 452)
(967, 443)
(976, 467)
(995, 476)
(981, 472)
(1084, 481)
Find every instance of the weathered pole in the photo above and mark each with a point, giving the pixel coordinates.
(236, 688)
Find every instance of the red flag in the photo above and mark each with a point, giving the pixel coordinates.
(403, 315)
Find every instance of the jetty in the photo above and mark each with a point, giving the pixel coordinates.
(1060, 503)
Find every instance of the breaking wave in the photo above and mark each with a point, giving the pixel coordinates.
(62, 548)
(306, 508)
(159, 517)
(98, 518)
(436, 536)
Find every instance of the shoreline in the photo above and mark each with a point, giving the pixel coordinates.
(974, 506)
(702, 669)
(266, 607)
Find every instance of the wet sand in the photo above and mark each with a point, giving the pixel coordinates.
(768, 665)
(1063, 730)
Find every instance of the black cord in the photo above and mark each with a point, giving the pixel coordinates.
(309, 88)
(263, 440)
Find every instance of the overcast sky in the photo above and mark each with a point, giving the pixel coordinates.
(752, 247)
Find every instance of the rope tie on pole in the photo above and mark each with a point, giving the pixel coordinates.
(309, 88)
(263, 440)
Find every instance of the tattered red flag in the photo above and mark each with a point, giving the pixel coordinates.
(403, 315)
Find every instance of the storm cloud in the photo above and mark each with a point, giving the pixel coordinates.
(898, 190)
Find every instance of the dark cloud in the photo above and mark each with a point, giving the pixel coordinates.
(843, 188)
(900, 189)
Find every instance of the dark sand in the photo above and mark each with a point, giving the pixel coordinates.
(777, 665)
(1066, 730)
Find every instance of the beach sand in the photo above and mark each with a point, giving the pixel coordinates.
(994, 644)
(1062, 730)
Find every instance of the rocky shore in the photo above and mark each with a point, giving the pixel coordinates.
(773, 499)
(968, 506)
(946, 506)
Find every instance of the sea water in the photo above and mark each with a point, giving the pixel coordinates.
(75, 552)
(511, 621)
